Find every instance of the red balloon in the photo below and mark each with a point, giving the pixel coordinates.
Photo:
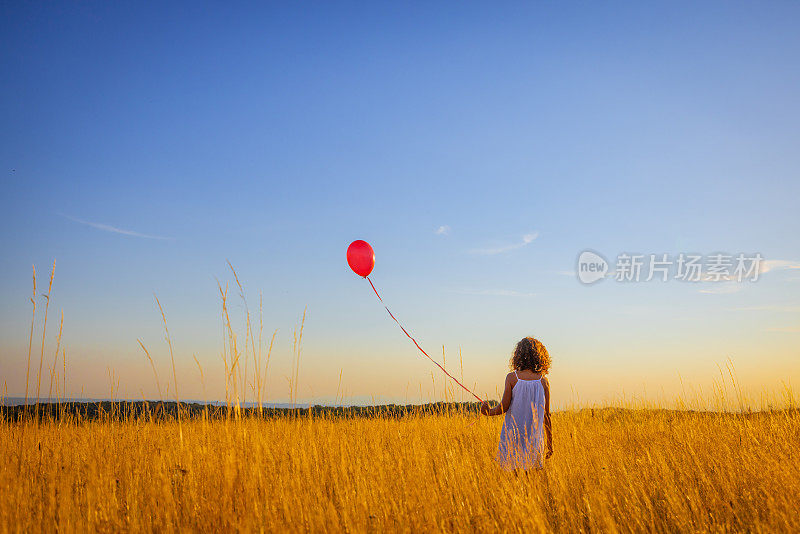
(361, 257)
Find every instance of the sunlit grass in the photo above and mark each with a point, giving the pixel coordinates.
(613, 469)
(629, 468)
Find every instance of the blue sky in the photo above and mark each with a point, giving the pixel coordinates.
(143, 147)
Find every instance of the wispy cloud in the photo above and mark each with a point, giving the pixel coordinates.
(442, 230)
(778, 265)
(768, 307)
(722, 288)
(786, 330)
(527, 239)
(609, 274)
(765, 266)
(494, 292)
(114, 229)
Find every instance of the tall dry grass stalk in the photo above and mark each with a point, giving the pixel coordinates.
(63, 382)
(236, 356)
(155, 373)
(248, 336)
(203, 383)
(174, 373)
(474, 386)
(30, 342)
(297, 343)
(53, 369)
(258, 365)
(233, 354)
(226, 333)
(44, 331)
(269, 356)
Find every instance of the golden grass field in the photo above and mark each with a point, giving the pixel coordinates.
(613, 470)
(629, 468)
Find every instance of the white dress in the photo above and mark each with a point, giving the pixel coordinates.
(521, 443)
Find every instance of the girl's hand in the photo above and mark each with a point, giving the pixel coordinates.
(485, 408)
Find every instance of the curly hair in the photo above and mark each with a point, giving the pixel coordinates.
(531, 354)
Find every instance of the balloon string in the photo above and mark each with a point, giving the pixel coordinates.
(417, 344)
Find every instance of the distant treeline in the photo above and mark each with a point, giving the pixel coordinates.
(168, 411)
(161, 411)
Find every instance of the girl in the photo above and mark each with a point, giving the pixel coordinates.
(526, 403)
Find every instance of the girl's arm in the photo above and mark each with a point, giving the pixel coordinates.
(505, 402)
(548, 428)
